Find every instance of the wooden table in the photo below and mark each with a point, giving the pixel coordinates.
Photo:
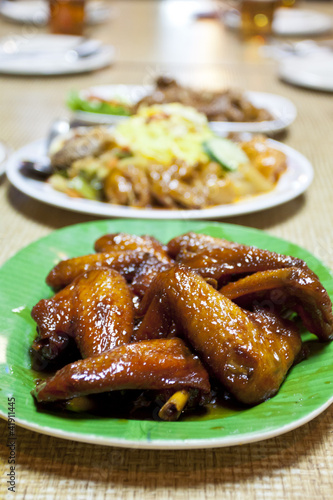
(153, 37)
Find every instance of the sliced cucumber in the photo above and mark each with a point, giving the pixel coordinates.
(225, 152)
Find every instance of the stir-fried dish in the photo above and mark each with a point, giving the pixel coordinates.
(229, 105)
(166, 156)
(139, 324)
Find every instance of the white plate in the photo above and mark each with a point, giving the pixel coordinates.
(282, 109)
(289, 22)
(36, 12)
(313, 71)
(293, 182)
(48, 55)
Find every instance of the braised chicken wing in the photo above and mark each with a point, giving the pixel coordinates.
(250, 360)
(125, 262)
(194, 243)
(123, 241)
(155, 364)
(220, 262)
(96, 309)
(304, 293)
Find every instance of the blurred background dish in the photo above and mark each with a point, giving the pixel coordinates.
(282, 109)
(293, 182)
(46, 54)
(37, 12)
(313, 71)
(288, 22)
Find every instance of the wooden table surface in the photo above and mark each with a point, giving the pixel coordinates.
(154, 37)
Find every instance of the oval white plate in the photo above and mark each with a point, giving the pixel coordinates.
(288, 22)
(48, 55)
(282, 109)
(293, 182)
(313, 71)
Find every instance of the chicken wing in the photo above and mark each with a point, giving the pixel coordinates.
(157, 259)
(194, 243)
(123, 241)
(146, 272)
(96, 309)
(250, 360)
(304, 293)
(103, 312)
(125, 262)
(220, 262)
(156, 365)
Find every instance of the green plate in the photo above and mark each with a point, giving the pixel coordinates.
(307, 391)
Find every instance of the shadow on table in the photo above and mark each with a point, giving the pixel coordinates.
(56, 218)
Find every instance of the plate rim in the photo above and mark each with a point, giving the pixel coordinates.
(294, 78)
(198, 443)
(103, 58)
(257, 203)
(178, 444)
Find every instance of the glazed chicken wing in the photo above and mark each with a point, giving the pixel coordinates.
(304, 293)
(249, 359)
(103, 312)
(220, 262)
(156, 364)
(194, 243)
(123, 241)
(96, 309)
(126, 262)
(157, 259)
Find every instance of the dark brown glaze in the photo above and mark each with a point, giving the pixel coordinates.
(247, 358)
(221, 262)
(145, 274)
(46, 352)
(156, 365)
(55, 315)
(305, 294)
(123, 241)
(125, 262)
(96, 309)
(194, 243)
(103, 312)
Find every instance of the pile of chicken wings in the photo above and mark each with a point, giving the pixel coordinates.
(177, 321)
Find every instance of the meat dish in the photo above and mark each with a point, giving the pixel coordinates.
(229, 105)
(173, 326)
(164, 157)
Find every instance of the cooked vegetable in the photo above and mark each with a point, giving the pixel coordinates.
(228, 154)
(93, 104)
